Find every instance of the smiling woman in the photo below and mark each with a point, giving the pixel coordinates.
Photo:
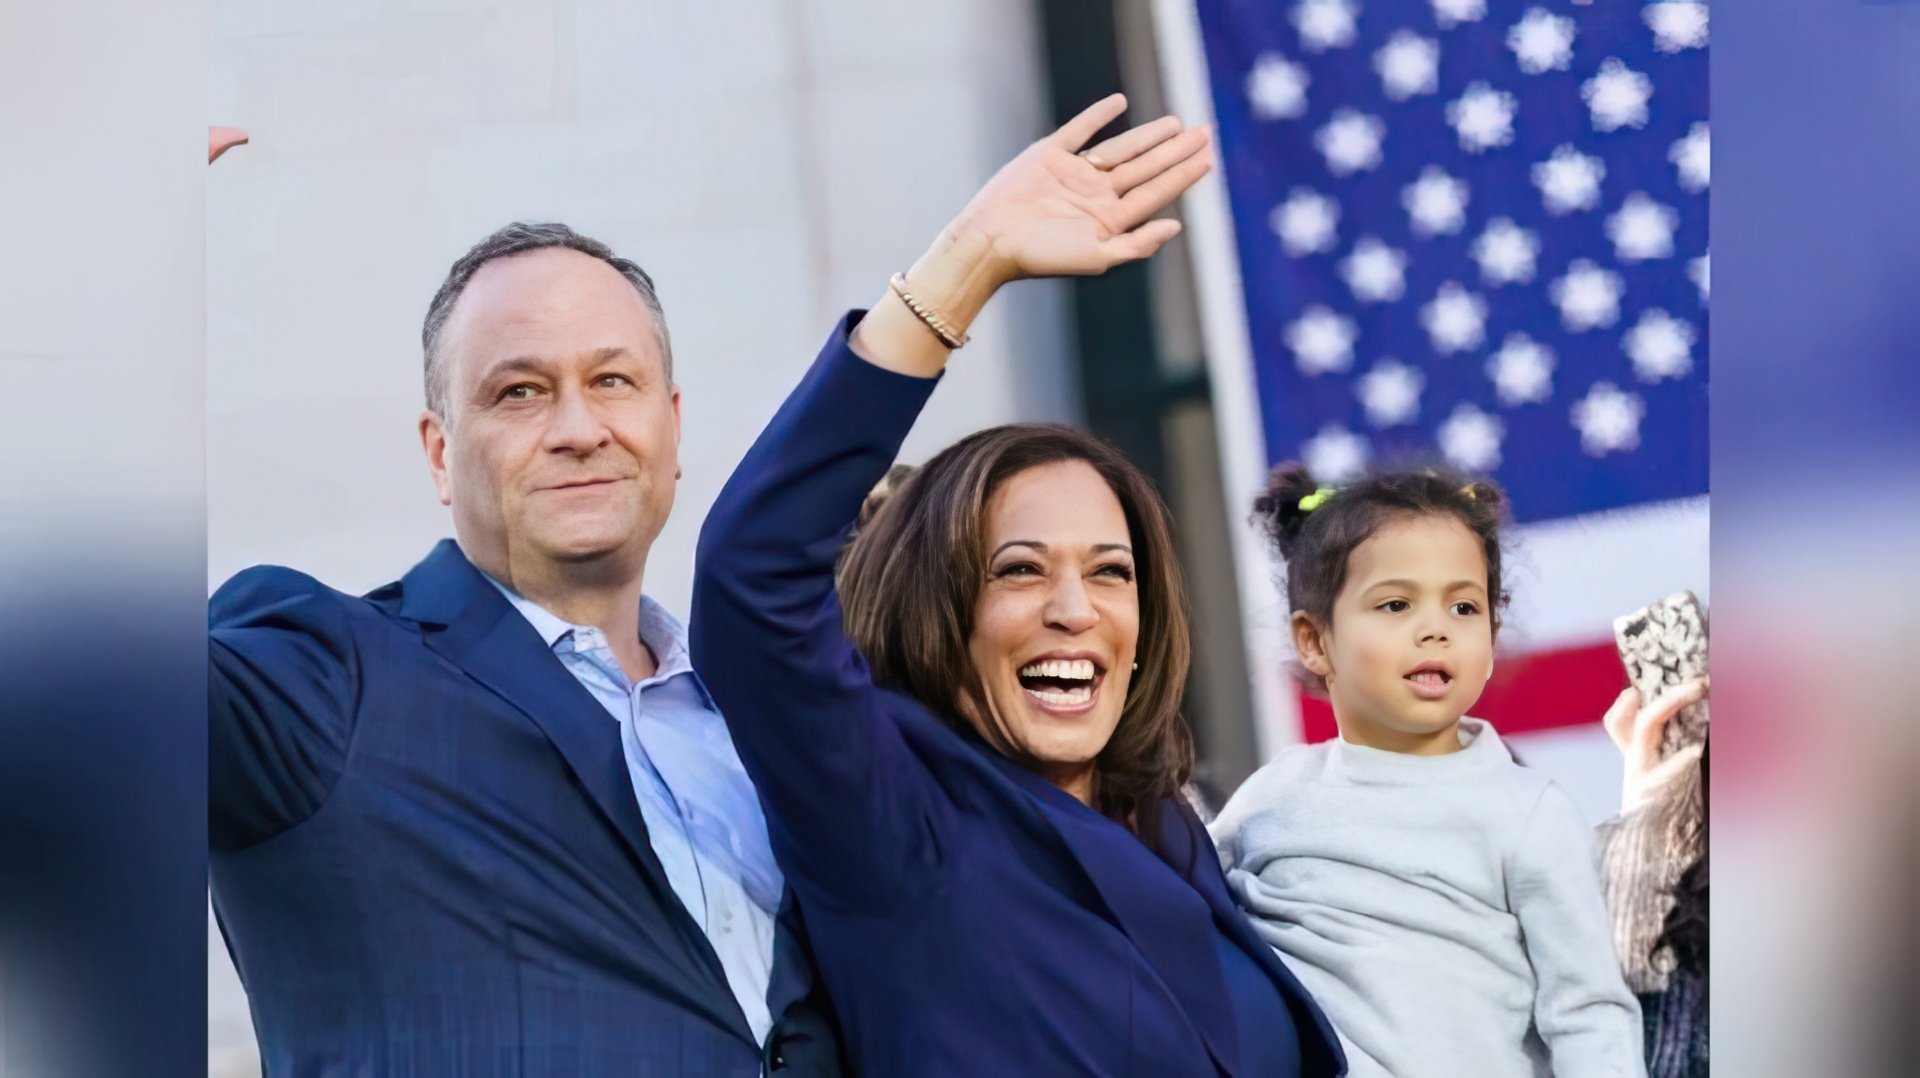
(1023, 582)
(966, 727)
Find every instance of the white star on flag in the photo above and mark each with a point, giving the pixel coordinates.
(1305, 222)
(1470, 438)
(1677, 24)
(1617, 96)
(1542, 41)
(1335, 454)
(1506, 252)
(1390, 392)
(1522, 371)
(1351, 142)
(1375, 271)
(1608, 419)
(1455, 319)
(1407, 64)
(1324, 24)
(1322, 341)
(1277, 88)
(1436, 202)
(1660, 346)
(1569, 180)
(1642, 229)
(1482, 117)
(1451, 13)
(1692, 157)
(1699, 269)
(1588, 296)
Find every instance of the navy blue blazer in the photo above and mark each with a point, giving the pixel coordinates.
(967, 917)
(427, 857)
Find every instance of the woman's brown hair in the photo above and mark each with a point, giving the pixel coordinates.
(912, 575)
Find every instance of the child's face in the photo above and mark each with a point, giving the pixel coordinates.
(1411, 643)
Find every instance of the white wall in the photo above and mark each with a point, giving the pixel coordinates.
(770, 162)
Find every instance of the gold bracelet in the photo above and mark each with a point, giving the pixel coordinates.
(926, 314)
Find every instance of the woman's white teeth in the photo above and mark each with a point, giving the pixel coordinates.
(1070, 698)
(1075, 669)
(1428, 677)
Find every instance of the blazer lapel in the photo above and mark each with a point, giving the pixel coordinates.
(476, 629)
(1181, 952)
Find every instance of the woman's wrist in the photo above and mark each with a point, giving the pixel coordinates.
(955, 278)
(958, 274)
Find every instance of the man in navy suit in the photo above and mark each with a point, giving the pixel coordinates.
(486, 819)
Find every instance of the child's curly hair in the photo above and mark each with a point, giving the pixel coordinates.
(1314, 528)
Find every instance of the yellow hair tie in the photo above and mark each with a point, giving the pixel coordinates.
(1315, 500)
(1467, 492)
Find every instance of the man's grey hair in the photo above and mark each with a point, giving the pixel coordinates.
(518, 238)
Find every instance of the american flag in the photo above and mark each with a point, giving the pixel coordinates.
(1477, 230)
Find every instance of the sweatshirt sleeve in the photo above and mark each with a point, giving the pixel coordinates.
(1582, 1008)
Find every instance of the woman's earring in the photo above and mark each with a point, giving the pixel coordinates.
(1136, 666)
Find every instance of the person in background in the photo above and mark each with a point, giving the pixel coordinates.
(1653, 862)
(969, 737)
(1438, 899)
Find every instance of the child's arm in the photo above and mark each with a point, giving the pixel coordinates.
(1586, 1015)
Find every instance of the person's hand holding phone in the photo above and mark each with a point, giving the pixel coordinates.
(1637, 727)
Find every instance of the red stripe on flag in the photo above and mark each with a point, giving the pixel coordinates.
(1540, 690)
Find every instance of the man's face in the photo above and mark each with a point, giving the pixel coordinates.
(560, 444)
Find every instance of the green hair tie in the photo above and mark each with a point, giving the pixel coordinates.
(1315, 500)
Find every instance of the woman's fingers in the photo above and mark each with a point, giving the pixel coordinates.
(1075, 132)
(1162, 156)
(1156, 194)
(1140, 243)
(1130, 144)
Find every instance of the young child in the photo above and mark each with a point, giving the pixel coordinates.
(1440, 901)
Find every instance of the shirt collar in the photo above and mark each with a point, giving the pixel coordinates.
(666, 638)
(550, 626)
(663, 633)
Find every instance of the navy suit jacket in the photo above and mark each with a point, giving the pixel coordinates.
(427, 857)
(968, 918)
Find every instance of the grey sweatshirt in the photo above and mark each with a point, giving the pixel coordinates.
(1444, 910)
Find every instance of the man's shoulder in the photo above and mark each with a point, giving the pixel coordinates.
(280, 592)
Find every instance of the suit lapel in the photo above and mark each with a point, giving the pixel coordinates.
(468, 622)
(1180, 950)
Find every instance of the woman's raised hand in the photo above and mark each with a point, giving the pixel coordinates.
(1061, 209)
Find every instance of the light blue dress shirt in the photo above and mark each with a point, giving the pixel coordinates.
(702, 814)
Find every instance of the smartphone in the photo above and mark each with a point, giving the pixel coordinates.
(1664, 644)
